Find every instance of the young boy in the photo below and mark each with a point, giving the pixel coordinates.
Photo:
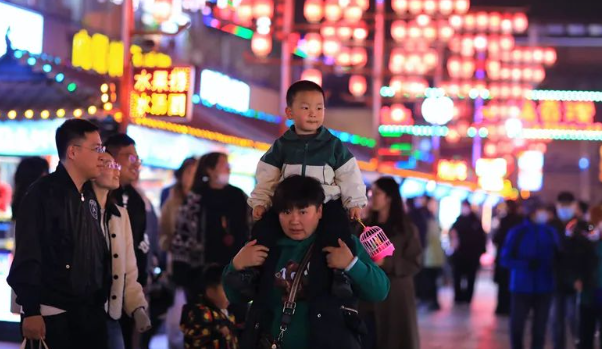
(309, 149)
(207, 324)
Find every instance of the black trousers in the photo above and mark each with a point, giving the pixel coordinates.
(429, 282)
(590, 321)
(503, 292)
(522, 304)
(85, 327)
(465, 274)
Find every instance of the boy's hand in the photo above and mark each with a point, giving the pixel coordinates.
(338, 257)
(355, 213)
(258, 212)
(251, 255)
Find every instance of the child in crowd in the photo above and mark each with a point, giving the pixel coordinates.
(206, 323)
(309, 149)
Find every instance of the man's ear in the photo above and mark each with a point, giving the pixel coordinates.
(319, 211)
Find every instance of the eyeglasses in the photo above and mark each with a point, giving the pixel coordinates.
(134, 159)
(98, 149)
(111, 165)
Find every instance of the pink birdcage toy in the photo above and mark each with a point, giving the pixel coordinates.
(376, 243)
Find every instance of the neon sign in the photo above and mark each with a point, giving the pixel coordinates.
(545, 112)
(220, 89)
(530, 170)
(163, 92)
(103, 56)
(491, 173)
(452, 170)
(26, 29)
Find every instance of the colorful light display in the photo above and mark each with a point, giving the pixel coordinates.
(217, 88)
(452, 170)
(162, 92)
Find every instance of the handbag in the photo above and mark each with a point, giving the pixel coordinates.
(41, 344)
(288, 309)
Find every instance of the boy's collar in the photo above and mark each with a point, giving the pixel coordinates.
(322, 134)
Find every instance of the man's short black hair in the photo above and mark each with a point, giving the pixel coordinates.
(565, 197)
(298, 192)
(302, 86)
(212, 276)
(117, 141)
(532, 205)
(71, 130)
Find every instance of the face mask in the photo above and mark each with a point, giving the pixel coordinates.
(541, 217)
(223, 178)
(565, 213)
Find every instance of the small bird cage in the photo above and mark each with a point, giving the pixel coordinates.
(376, 243)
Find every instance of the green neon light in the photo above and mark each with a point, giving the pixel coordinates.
(569, 96)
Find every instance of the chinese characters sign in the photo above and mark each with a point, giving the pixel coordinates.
(163, 92)
(546, 112)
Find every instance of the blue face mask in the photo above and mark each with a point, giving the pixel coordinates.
(541, 217)
(565, 213)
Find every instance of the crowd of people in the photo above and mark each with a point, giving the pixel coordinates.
(94, 266)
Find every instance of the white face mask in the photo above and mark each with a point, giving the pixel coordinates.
(223, 178)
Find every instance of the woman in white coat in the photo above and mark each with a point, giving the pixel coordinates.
(127, 296)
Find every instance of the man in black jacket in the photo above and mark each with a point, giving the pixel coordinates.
(123, 149)
(61, 269)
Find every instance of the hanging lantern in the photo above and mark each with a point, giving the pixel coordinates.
(495, 22)
(480, 43)
(415, 6)
(462, 6)
(414, 32)
(549, 56)
(527, 74)
(423, 20)
(360, 33)
(396, 84)
(482, 21)
(431, 58)
(312, 75)
(399, 30)
(538, 55)
(470, 22)
(359, 57)
(363, 4)
(430, 7)
(328, 30)
(331, 47)
(507, 42)
(261, 44)
(456, 22)
(520, 23)
(244, 12)
(445, 32)
(343, 59)
(400, 114)
(313, 45)
(429, 32)
(344, 33)
(263, 8)
(397, 61)
(353, 12)
(516, 73)
(493, 69)
(313, 10)
(468, 68)
(446, 7)
(539, 74)
(358, 85)
(332, 10)
(506, 25)
(399, 6)
(454, 67)
(527, 55)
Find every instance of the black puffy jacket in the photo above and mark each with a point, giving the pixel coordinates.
(61, 257)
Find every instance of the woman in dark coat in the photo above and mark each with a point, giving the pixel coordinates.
(395, 318)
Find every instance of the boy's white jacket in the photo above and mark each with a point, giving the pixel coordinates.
(323, 157)
(126, 293)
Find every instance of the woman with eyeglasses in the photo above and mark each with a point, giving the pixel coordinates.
(126, 294)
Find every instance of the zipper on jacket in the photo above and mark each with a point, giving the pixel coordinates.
(349, 309)
(82, 196)
(304, 160)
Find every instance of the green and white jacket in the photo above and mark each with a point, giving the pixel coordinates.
(322, 156)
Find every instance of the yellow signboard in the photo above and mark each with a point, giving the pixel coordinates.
(163, 92)
(103, 56)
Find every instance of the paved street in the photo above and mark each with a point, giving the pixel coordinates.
(450, 328)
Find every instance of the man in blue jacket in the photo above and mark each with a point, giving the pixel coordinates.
(529, 253)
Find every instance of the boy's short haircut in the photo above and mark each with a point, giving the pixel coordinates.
(117, 141)
(212, 276)
(70, 131)
(298, 192)
(302, 86)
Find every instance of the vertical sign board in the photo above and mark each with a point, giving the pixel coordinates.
(164, 93)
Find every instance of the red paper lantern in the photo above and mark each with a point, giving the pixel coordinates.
(507, 42)
(312, 75)
(353, 12)
(328, 30)
(539, 74)
(244, 12)
(313, 45)
(423, 20)
(415, 6)
(396, 84)
(397, 61)
(549, 56)
(493, 69)
(520, 22)
(332, 10)
(399, 6)
(414, 32)
(482, 21)
(454, 67)
(538, 55)
(446, 7)
(360, 34)
(506, 25)
(470, 22)
(263, 8)
(480, 43)
(358, 85)
(445, 32)
(462, 6)
(495, 22)
(261, 44)
(359, 57)
(344, 57)
(313, 10)
(331, 47)
(456, 21)
(344, 33)
(364, 4)
(399, 30)
(429, 32)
